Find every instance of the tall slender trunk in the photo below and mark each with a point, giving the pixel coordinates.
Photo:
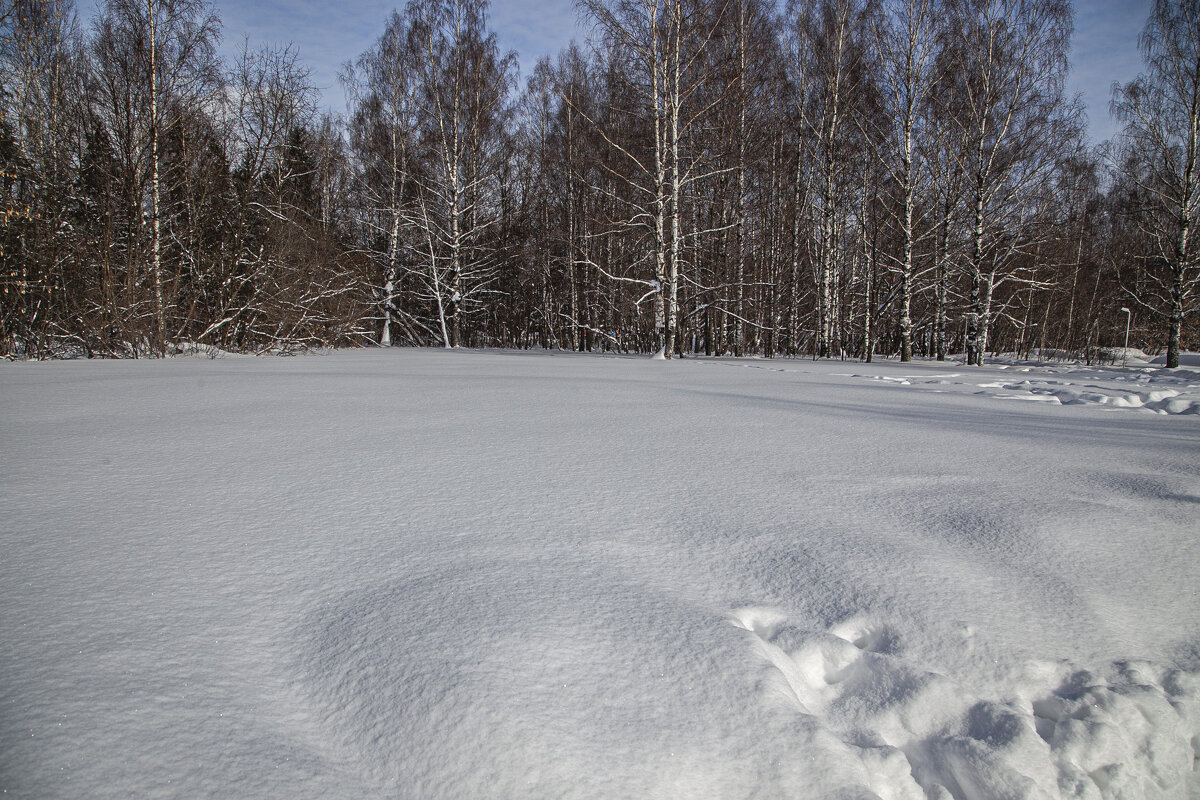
(868, 298)
(1187, 208)
(399, 180)
(389, 286)
(794, 298)
(658, 92)
(672, 287)
(436, 281)
(160, 322)
(1071, 304)
(740, 199)
(985, 313)
(455, 286)
(943, 280)
(571, 234)
(975, 344)
(906, 268)
(1175, 324)
(825, 279)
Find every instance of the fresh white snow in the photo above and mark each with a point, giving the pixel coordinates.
(1185, 359)
(430, 574)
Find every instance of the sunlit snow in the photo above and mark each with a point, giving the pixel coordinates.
(427, 574)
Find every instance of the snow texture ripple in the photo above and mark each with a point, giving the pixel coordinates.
(404, 573)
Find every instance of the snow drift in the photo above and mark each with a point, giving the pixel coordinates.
(453, 574)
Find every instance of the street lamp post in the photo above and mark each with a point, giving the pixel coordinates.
(1125, 352)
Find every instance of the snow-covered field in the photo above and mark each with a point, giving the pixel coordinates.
(427, 574)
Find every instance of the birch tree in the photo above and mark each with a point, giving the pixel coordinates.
(662, 42)
(1160, 151)
(745, 65)
(832, 41)
(465, 82)
(383, 131)
(907, 41)
(153, 60)
(1010, 57)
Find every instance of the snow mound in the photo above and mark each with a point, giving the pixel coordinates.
(189, 349)
(1185, 360)
(1169, 393)
(1129, 731)
(438, 697)
(1165, 401)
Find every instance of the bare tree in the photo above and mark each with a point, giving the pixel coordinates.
(465, 83)
(832, 41)
(662, 43)
(384, 128)
(41, 112)
(154, 59)
(272, 100)
(907, 41)
(1160, 156)
(1010, 58)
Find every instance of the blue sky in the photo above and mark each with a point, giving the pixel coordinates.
(1104, 50)
(328, 34)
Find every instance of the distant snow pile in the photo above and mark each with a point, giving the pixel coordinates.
(1118, 357)
(911, 733)
(1164, 401)
(1185, 360)
(1163, 392)
(189, 349)
(1129, 357)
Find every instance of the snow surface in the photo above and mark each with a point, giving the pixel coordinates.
(429, 574)
(1185, 359)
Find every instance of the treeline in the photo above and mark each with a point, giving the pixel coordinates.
(838, 178)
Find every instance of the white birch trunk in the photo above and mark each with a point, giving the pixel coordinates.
(160, 323)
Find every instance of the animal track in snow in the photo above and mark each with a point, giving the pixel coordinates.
(814, 665)
(1130, 733)
(1051, 730)
(867, 635)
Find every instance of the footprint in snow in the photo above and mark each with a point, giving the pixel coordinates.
(866, 635)
(812, 664)
(821, 672)
(1129, 730)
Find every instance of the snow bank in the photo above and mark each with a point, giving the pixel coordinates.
(188, 349)
(1164, 392)
(1185, 360)
(454, 574)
